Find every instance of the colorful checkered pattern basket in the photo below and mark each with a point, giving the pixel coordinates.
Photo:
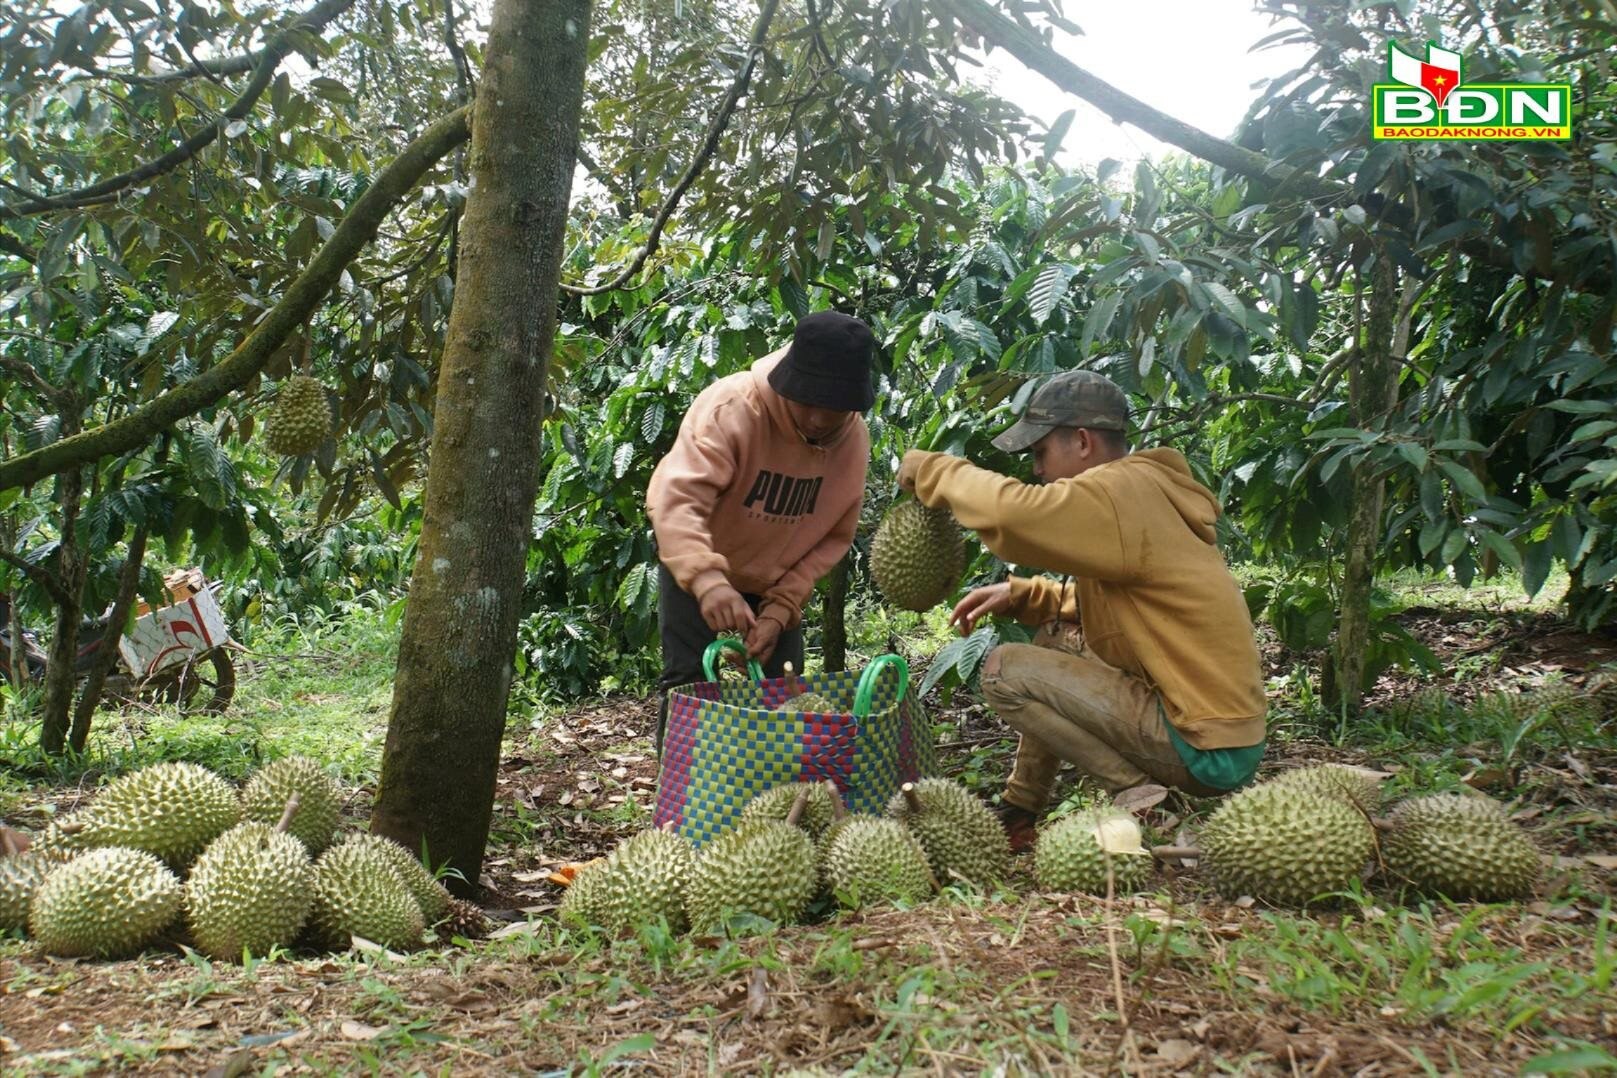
(726, 744)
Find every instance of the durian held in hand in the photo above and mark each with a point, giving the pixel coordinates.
(917, 556)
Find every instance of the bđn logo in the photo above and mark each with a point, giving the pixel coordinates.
(1428, 100)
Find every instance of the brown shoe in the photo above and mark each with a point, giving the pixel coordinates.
(1021, 826)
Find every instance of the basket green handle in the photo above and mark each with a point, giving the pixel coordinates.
(723, 644)
(867, 682)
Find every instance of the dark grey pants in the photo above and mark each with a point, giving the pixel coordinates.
(685, 636)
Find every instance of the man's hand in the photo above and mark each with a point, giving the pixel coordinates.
(762, 638)
(725, 611)
(989, 599)
(908, 467)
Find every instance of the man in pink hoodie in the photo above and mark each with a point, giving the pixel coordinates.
(760, 497)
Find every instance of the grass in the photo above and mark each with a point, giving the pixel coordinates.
(1013, 981)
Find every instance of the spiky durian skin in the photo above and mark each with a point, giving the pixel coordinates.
(172, 810)
(62, 840)
(646, 878)
(249, 891)
(20, 876)
(917, 556)
(429, 894)
(776, 804)
(1461, 846)
(358, 892)
(763, 867)
(300, 419)
(1069, 857)
(813, 702)
(1357, 788)
(581, 902)
(959, 833)
(871, 859)
(1286, 846)
(107, 903)
(264, 799)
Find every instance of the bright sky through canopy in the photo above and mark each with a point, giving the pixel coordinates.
(1189, 58)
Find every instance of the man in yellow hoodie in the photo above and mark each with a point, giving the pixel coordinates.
(760, 497)
(1148, 669)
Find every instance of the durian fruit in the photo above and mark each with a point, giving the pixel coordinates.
(20, 876)
(430, 895)
(300, 419)
(172, 810)
(1076, 852)
(872, 859)
(776, 803)
(581, 902)
(359, 892)
(917, 556)
(1351, 784)
(109, 902)
(644, 879)
(961, 836)
(319, 799)
(250, 890)
(1286, 846)
(810, 701)
(763, 867)
(62, 840)
(464, 919)
(1462, 846)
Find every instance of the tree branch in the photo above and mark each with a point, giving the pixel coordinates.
(47, 583)
(710, 143)
(1275, 177)
(356, 229)
(106, 190)
(26, 372)
(314, 20)
(14, 247)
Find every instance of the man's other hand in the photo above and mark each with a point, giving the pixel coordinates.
(989, 599)
(762, 638)
(908, 467)
(725, 611)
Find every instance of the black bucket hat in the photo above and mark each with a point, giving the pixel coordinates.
(828, 363)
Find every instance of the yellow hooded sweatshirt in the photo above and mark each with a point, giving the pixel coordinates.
(1155, 597)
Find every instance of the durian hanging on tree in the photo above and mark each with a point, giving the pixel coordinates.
(300, 419)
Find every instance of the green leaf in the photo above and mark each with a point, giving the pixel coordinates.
(621, 458)
(1057, 132)
(1048, 290)
(1503, 547)
(1099, 321)
(1582, 1059)
(1465, 479)
(1227, 300)
(1414, 454)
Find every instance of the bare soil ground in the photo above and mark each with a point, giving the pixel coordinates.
(1181, 981)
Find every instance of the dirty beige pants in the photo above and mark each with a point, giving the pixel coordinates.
(1069, 705)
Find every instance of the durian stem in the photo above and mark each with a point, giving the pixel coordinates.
(11, 843)
(1382, 824)
(838, 809)
(798, 806)
(1169, 853)
(802, 686)
(290, 811)
(668, 827)
(911, 798)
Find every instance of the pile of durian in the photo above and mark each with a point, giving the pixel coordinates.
(1316, 832)
(175, 853)
(793, 844)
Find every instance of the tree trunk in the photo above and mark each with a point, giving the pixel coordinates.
(18, 659)
(834, 624)
(70, 573)
(442, 753)
(1372, 394)
(107, 656)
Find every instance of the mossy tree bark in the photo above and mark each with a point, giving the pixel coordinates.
(441, 757)
(1372, 394)
(834, 626)
(71, 570)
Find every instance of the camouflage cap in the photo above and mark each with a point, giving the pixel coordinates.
(1068, 399)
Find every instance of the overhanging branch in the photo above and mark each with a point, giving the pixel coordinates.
(710, 143)
(356, 229)
(268, 60)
